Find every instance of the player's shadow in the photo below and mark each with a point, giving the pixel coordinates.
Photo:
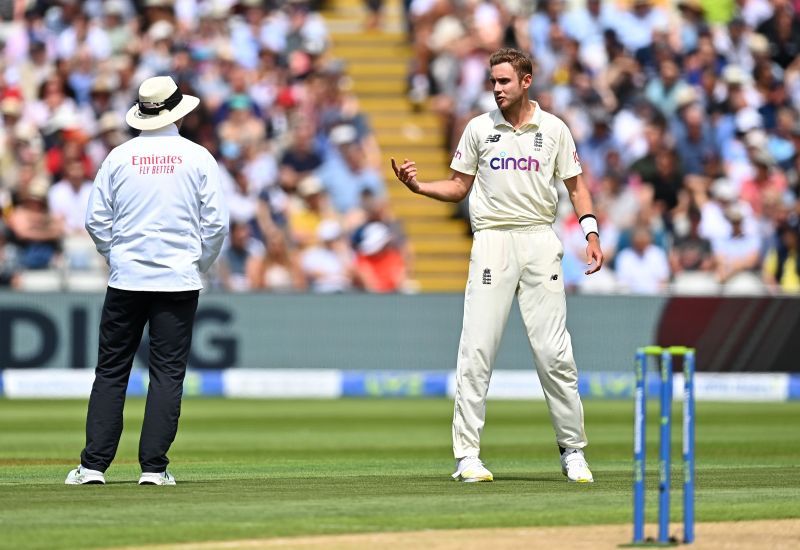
(529, 479)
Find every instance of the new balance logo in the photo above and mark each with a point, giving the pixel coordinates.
(554, 277)
(487, 276)
(492, 138)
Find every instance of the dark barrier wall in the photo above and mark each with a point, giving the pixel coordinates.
(396, 332)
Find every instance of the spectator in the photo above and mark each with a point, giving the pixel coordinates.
(239, 262)
(665, 90)
(380, 265)
(781, 271)
(643, 268)
(301, 157)
(110, 134)
(691, 258)
(654, 135)
(782, 30)
(737, 256)
(68, 198)
(242, 126)
(714, 224)
(694, 138)
(328, 266)
(765, 181)
(637, 26)
(345, 173)
(33, 230)
(278, 269)
(667, 182)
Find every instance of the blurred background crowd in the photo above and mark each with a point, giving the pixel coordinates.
(298, 160)
(685, 115)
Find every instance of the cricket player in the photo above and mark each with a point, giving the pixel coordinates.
(509, 161)
(158, 215)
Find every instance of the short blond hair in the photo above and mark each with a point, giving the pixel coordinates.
(517, 59)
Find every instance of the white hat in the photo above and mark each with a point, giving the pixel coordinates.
(758, 44)
(108, 122)
(343, 134)
(114, 7)
(310, 185)
(734, 74)
(734, 213)
(11, 106)
(446, 30)
(685, 96)
(748, 119)
(329, 230)
(723, 189)
(160, 103)
(375, 238)
(160, 30)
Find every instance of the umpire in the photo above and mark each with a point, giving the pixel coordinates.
(157, 214)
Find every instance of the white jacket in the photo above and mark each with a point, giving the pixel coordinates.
(157, 213)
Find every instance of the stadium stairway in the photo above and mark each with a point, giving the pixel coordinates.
(377, 61)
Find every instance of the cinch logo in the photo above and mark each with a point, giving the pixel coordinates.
(511, 163)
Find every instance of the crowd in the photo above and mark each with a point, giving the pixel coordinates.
(299, 161)
(686, 117)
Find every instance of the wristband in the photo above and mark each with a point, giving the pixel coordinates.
(589, 225)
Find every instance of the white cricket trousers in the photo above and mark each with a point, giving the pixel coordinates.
(527, 263)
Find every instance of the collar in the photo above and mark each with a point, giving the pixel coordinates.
(535, 121)
(168, 130)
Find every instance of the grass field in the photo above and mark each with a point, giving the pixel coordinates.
(250, 469)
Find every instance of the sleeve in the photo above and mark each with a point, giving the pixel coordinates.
(214, 220)
(465, 159)
(567, 163)
(99, 211)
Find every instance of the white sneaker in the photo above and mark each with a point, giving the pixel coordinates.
(470, 469)
(85, 476)
(575, 467)
(156, 478)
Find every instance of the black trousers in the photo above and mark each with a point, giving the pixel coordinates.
(170, 316)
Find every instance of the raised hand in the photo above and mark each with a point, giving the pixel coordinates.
(407, 173)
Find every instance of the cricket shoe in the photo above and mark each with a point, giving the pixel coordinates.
(470, 469)
(156, 478)
(85, 476)
(575, 467)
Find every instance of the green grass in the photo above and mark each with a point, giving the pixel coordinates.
(280, 468)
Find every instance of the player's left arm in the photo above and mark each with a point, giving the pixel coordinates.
(568, 169)
(582, 203)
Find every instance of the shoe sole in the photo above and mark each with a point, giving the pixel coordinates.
(92, 482)
(590, 480)
(475, 479)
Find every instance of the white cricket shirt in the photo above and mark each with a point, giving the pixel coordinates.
(157, 212)
(516, 171)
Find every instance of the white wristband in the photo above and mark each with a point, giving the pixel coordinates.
(589, 225)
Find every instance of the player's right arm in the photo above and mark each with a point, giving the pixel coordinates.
(454, 189)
